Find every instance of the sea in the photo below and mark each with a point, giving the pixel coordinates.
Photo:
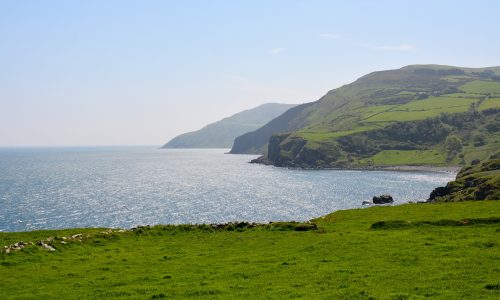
(124, 187)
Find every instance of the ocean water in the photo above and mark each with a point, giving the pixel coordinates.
(51, 188)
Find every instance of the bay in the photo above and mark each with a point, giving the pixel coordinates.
(54, 188)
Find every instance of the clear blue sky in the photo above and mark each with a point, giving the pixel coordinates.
(140, 72)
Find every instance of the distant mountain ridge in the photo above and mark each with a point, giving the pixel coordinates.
(403, 116)
(221, 134)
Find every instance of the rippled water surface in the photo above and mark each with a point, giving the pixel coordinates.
(124, 187)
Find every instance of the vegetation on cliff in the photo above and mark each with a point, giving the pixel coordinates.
(422, 114)
(480, 181)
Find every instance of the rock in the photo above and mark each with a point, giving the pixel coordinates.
(15, 247)
(439, 192)
(383, 199)
(77, 236)
(367, 203)
(19, 245)
(64, 243)
(45, 246)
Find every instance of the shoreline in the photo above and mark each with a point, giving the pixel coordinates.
(401, 168)
(217, 225)
(398, 168)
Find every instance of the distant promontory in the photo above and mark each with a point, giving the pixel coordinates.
(221, 134)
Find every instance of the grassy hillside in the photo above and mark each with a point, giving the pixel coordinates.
(414, 251)
(221, 134)
(315, 135)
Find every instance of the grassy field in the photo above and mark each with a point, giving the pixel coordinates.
(408, 157)
(413, 254)
(490, 103)
(482, 87)
(423, 109)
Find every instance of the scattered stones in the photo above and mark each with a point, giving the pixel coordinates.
(382, 199)
(15, 247)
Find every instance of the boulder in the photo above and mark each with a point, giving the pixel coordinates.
(383, 199)
(45, 246)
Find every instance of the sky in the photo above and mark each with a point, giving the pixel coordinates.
(87, 73)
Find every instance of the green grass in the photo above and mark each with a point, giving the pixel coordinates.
(313, 136)
(490, 103)
(423, 109)
(408, 157)
(344, 259)
(482, 87)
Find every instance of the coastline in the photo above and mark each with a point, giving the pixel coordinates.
(402, 168)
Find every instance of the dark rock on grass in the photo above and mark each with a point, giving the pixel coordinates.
(45, 246)
(382, 199)
(439, 192)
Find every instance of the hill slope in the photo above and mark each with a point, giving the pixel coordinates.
(221, 134)
(420, 114)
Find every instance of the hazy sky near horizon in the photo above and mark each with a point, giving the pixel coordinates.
(120, 72)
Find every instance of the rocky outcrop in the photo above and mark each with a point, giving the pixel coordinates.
(476, 182)
(15, 247)
(382, 199)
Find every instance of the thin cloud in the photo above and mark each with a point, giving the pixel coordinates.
(403, 47)
(396, 48)
(329, 35)
(276, 51)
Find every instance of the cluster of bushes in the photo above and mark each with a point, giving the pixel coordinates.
(487, 74)
(231, 226)
(451, 130)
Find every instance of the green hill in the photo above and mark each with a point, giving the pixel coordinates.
(221, 134)
(416, 115)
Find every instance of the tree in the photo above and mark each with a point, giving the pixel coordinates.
(453, 144)
(479, 140)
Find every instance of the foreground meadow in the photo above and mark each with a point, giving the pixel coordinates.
(413, 251)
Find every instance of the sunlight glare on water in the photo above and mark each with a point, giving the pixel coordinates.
(51, 188)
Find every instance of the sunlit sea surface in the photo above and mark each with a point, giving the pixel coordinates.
(51, 188)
